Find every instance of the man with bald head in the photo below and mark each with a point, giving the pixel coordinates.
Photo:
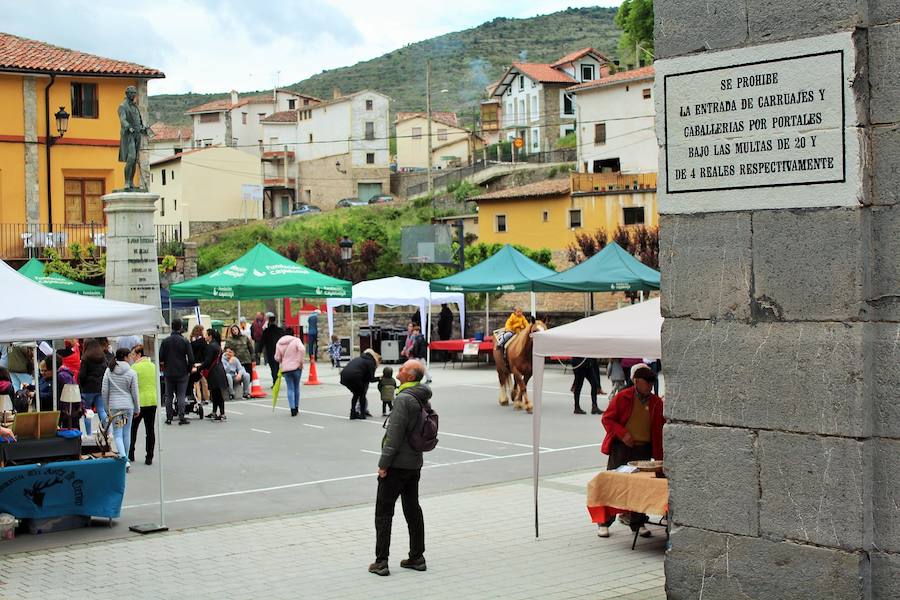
(399, 469)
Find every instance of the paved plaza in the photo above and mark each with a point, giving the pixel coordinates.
(269, 506)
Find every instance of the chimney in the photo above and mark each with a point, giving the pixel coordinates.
(234, 96)
(336, 93)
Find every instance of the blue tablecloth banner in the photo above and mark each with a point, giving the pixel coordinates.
(75, 487)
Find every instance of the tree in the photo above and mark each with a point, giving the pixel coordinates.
(586, 245)
(635, 19)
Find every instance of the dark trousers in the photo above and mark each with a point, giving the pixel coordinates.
(580, 376)
(273, 366)
(148, 416)
(358, 404)
(257, 351)
(312, 343)
(620, 454)
(175, 386)
(405, 484)
(217, 395)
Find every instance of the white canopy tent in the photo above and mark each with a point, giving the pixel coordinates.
(630, 331)
(398, 291)
(30, 311)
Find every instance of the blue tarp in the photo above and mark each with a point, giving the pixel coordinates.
(73, 487)
(177, 303)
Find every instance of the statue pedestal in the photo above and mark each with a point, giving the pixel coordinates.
(132, 271)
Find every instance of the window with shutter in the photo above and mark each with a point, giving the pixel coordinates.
(84, 201)
(599, 133)
(85, 103)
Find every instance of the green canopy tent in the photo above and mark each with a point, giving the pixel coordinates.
(34, 270)
(262, 274)
(506, 271)
(612, 269)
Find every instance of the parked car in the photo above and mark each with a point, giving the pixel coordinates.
(305, 209)
(348, 202)
(382, 199)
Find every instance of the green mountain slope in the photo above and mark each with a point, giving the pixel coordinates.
(463, 62)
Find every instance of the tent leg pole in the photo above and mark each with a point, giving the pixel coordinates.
(428, 341)
(533, 305)
(55, 398)
(159, 433)
(642, 295)
(487, 310)
(37, 393)
(170, 309)
(351, 329)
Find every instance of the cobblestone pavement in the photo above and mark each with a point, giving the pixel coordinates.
(480, 544)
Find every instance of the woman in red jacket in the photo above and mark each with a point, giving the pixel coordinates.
(633, 423)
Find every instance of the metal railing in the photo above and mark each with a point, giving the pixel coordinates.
(20, 241)
(588, 183)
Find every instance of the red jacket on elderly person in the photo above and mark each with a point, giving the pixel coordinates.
(619, 411)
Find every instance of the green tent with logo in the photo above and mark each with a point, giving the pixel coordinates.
(261, 274)
(506, 271)
(611, 270)
(34, 270)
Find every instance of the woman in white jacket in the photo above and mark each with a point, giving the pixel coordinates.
(120, 393)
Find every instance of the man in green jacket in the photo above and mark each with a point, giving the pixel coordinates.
(399, 469)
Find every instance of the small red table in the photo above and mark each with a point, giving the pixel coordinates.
(454, 347)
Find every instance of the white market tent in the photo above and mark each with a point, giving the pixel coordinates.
(398, 291)
(630, 331)
(30, 311)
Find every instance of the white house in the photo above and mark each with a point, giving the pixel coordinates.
(235, 121)
(204, 185)
(327, 151)
(616, 123)
(168, 140)
(535, 104)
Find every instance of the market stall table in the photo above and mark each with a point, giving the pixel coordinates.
(611, 492)
(40, 450)
(463, 347)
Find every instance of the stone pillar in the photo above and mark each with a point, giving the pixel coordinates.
(781, 290)
(190, 260)
(132, 271)
(32, 170)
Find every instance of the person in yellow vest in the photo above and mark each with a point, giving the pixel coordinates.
(146, 375)
(514, 324)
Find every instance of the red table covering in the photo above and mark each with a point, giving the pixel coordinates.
(459, 345)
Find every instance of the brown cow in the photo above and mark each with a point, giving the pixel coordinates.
(516, 364)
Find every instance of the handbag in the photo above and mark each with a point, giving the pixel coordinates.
(205, 372)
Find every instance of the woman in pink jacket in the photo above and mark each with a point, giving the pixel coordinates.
(289, 353)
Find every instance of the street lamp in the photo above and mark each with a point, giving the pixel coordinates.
(62, 125)
(346, 246)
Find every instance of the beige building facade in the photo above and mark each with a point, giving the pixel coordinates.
(204, 185)
(451, 145)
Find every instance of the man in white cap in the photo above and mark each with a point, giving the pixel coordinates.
(633, 422)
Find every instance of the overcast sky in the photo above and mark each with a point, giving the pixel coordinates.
(217, 45)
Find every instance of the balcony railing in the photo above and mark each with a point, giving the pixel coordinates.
(592, 183)
(19, 241)
(277, 155)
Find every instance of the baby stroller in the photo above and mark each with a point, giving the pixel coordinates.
(191, 404)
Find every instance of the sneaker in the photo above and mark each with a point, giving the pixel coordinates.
(417, 564)
(168, 421)
(578, 411)
(184, 422)
(602, 531)
(379, 568)
(644, 532)
(127, 466)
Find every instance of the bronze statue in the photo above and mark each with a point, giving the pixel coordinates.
(130, 132)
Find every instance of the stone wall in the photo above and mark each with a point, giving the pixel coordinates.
(401, 182)
(780, 347)
(201, 227)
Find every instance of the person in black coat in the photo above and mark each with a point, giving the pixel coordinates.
(445, 323)
(198, 349)
(356, 377)
(215, 374)
(271, 334)
(586, 369)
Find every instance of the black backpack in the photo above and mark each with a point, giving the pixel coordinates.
(423, 437)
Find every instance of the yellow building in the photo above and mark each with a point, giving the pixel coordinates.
(39, 82)
(547, 214)
(451, 145)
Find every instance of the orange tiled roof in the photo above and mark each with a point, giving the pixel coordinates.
(573, 56)
(447, 118)
(226, 104)
(647, 72)
(162, 131)
(548, 187)
(25, 55)
(285, 116)
(542, 73)
(212, 106)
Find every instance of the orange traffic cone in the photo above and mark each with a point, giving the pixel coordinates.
(313, 378)
(256, 390)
